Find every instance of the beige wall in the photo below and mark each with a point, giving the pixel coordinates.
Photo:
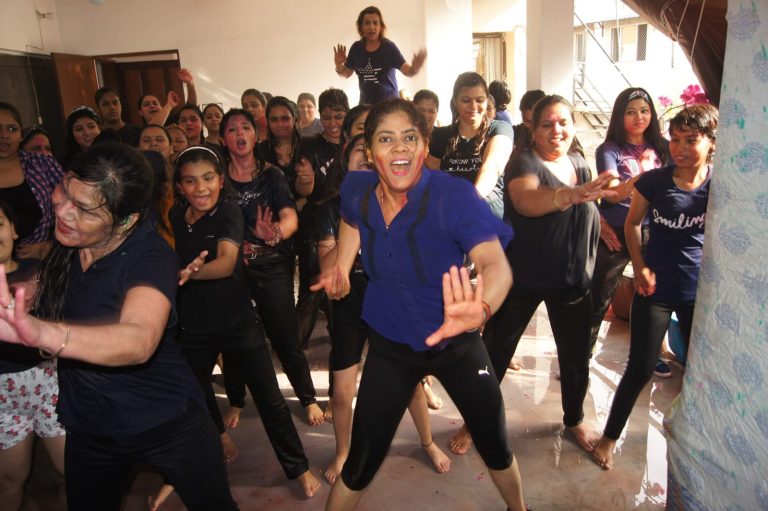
(19, 28)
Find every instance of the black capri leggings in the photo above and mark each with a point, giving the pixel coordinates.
(648, 322)
(391, 373)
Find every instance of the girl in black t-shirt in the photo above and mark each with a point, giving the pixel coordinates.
(215, 311)
(473, 147)
(281, 146)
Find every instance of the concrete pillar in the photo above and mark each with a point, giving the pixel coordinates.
(550, 46)
(448, 32)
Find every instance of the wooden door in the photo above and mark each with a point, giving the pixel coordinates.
(77, 79)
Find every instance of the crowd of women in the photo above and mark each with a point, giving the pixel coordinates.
(110, 336)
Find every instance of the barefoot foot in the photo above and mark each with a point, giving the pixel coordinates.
(434, 402)
(314, 414)
(156, 500)
(230, 449)
(461, 441)
(232, 417)
(328, 413)
(309, 483)
(515, 365)
(586, 437)
(603, 453)
(334, 469)
(440, 461)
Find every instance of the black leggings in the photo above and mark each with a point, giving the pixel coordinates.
(391, 373)
(247, 350)
(648, 323)
(186, 450)
(570, 317)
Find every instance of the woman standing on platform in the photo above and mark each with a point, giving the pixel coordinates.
(375, 59)
(422, 318)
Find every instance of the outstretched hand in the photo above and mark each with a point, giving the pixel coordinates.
(16, 325)
(186, 273)
(335, 284)
(418, 59)
(185, 76)
(462, 305)
(592, 191)
(339, 54)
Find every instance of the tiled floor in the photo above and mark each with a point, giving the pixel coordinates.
(557, 474)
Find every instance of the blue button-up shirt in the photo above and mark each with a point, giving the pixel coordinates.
(442, 221)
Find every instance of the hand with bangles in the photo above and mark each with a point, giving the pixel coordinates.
(463, 306)
(566, 197)
(265, 228)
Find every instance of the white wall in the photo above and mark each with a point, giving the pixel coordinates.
(550, 46)
(19, 29)
(230, 45)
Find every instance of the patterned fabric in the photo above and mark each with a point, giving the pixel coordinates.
(28, 404)
(42, 173)
(718, 426)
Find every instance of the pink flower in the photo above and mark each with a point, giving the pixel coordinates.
(693, 94)
(665, 102)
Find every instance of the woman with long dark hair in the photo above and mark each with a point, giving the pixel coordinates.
(473, 147)
(375, 59)
(106, 308)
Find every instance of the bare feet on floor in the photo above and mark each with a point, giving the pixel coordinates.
(440, 460)
(328, 413)
(156, 500)
(603, 452)
(230, 449)
(434, 402)
(315, 415)
(334, 469)
(461, 441)
(309, 483)
(515, 365)
(585, 436)
(232, 417)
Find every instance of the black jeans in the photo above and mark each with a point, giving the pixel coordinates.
(569, 315)
(609, 266)
(271, 281)
(186, 450)
(248, 354)
(308, 304)
(391, 373)
(648, 322)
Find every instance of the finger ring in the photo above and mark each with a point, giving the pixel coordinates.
(12, 304)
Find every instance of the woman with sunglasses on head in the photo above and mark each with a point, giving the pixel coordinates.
(375, 59)
(473, 147)
(105, 306)
(26, 183)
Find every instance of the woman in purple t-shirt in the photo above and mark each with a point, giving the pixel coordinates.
(633, 145)
(375, 59)
(675, 200)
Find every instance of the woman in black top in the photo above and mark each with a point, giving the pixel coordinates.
(107, 296)
(283, 137)
(556, 227)
(29, 389)
(270, 218)
(208, 230)
(473, 147)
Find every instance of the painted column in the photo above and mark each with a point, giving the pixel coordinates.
(718, 427)
(550, 46)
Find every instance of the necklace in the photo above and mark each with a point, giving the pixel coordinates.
(381, 203)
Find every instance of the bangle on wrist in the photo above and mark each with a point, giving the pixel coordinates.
(486, 312)
(48, 356)
(554, 201)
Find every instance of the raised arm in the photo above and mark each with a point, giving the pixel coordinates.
(172, 101)
(532, 200)
(340, 59)
(416, 64)
(186, 77)
(495, 158)
(131, 340)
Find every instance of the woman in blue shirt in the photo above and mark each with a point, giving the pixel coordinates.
(375, 59)
(675, 200)
(422, 311)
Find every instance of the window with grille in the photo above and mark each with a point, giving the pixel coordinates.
(642, 41)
